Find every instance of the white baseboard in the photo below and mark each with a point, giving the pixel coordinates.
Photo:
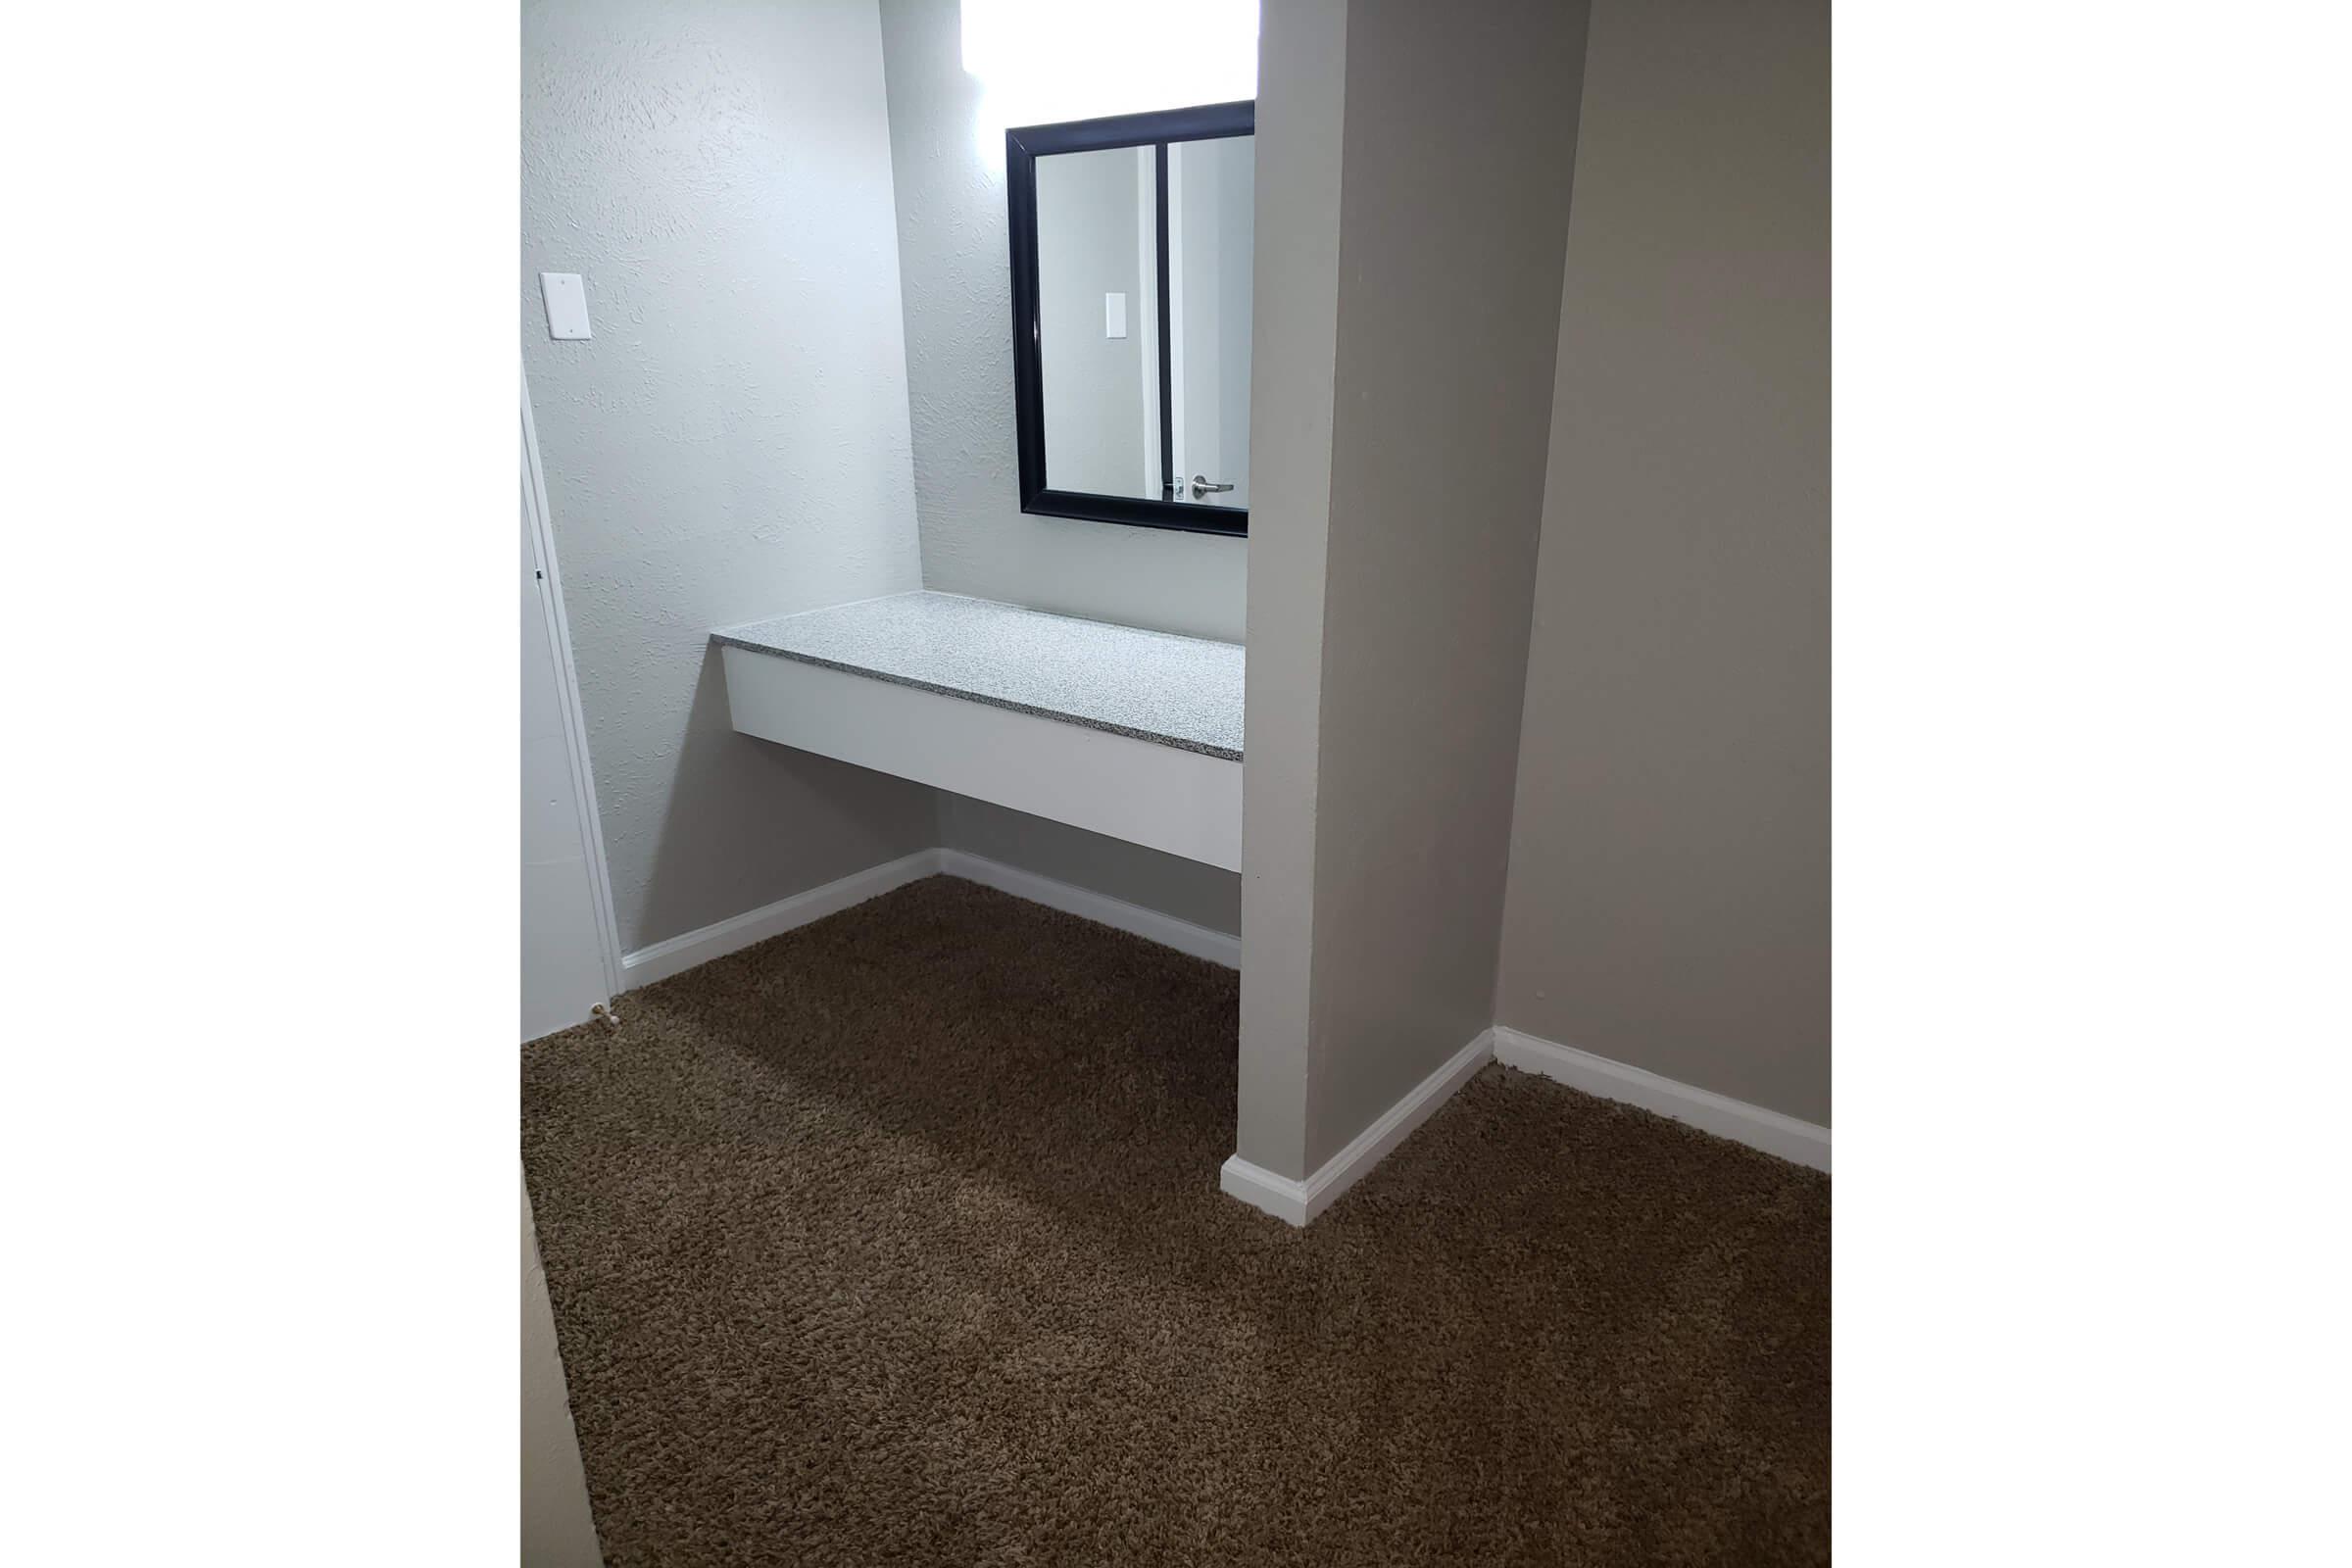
(1296, 1202)
(682, 952)
(1301, 1201)
(1768, 1130)
(1217, 947)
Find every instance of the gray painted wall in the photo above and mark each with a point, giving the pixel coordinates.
(957, 284)
(1456, 141)
(1204, 895)
(733, 441)
(1302, 89)
(1668, 899)
(1455, 200)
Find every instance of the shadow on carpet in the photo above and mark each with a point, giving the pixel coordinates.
(897, 1239)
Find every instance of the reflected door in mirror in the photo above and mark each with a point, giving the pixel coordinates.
(1211, 187)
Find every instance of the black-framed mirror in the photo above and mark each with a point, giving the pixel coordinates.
(1131, 316)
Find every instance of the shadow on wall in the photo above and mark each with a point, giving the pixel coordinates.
(833, 819)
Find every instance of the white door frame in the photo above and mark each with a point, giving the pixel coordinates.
(567, 680)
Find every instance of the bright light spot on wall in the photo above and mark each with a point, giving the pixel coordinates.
(1043, 61)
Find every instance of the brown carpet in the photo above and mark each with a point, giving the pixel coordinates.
(897, 1239)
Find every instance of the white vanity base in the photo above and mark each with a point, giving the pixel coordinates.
(1167, 798)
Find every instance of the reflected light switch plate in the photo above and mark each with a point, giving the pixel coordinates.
(566, 305)
(1114, 316)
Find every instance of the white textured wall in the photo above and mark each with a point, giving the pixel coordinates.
(733, 442)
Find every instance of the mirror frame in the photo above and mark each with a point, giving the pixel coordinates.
(1023, 146)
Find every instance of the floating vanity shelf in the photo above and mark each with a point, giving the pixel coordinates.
(1135, 734)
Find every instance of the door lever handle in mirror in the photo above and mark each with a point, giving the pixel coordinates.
(1201, 486)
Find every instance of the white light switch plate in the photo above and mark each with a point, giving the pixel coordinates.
(566, 305)
(1114, 316)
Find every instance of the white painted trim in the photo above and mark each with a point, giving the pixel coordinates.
(575, 721)
(682, 952)
(1301, 1201)
(1217, 947)
(1298, 1202)
(1768, 1130)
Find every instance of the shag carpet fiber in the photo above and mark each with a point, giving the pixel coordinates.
(897, 1239)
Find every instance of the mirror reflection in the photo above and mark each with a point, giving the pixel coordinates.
(1141, 326)
(1127, 408)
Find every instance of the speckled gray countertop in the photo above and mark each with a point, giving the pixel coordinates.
(1176, 691)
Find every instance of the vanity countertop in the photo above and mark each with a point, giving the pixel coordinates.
(1175, 691)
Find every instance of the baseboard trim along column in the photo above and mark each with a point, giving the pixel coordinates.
(1768, 1130)
(1301, 1201)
